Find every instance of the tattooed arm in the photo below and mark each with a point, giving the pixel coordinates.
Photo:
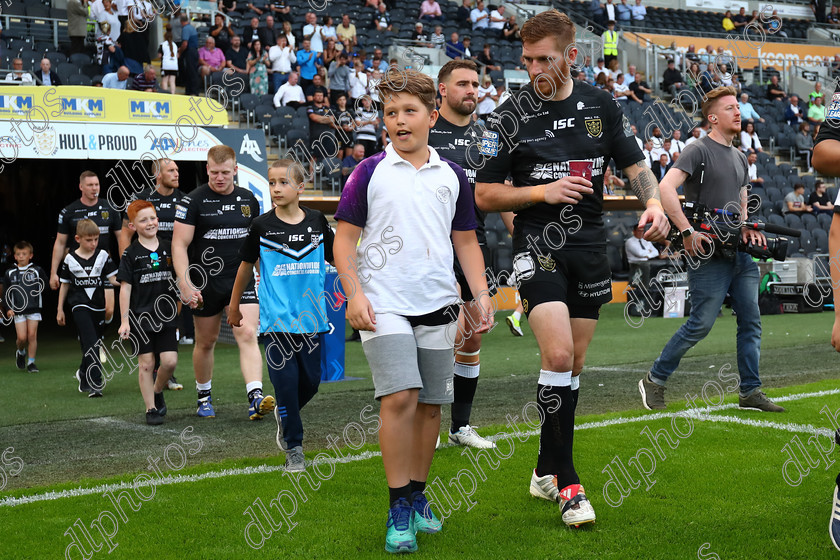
(500, 197)
(644, 186)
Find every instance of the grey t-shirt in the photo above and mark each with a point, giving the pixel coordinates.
(716, 173)
(797, 200)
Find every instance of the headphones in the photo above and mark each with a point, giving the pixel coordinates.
(712, 118)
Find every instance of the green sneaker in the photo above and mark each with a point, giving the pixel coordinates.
(513, 325)
(425, 520)
(401, 534)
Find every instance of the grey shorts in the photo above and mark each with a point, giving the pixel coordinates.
(403, 355)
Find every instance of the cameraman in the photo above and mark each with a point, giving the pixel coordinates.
(715, 175)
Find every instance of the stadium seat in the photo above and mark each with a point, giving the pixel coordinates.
(793, 221)
(66, 69)
(37, 10)
(55, 58)
(331, 171)
(247, 103)
(78, 80)
(793, 246)
(809, 222)
(807, 244)
(820, 240)
(80, 59)
(776, 220)
(288, 113)
(296, 134)
(91, 70)
(824, 221)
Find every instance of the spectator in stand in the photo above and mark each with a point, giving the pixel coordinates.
(257, 7)
(134, 45)
(661, 167)
(587, 70)
(833, 17)
(511, 29)
(382, 19)
(748, 112)
(290, 94)
(622, 92)
(773, 25)
(350, 162)
(108, 13)
(752, 170)
(601, 80)
(421, 36)
(623, 14)
(328, 28)
(636, 137)
(346, 126)
(226, 6)
(146, 80)
(656, 138)
(610, 44)
(47, 76)
(630, 75)
(77, 15)
(661, 146)
(793, 113)
(805, 144)
(613, 69)
(222, 33)
(696, 134)
(268, 36)
(818, 8)
(611, 182)
(672, 80)
(639, 253)
(600, 68)
(236, 58)
(462, 18)
(795, 201)
(454, 47)
(486, 58)
(168, 54)
(367, 119)
(306, 60)
(741, 20)
(647, 152)
(116, 80)
(816, 112)
(347, 31)
(639, 12)
(316, 85)
(609, 12)
(676, 141)
(437, 39)
(373, 83)
(258, 64)
(339, 74)
(479, 16)
(290, 36)
(819, 200)
(210, 59)
(816, 93)
(282, 60)
(709, 79)
(430, 11)
(727, 23)
(377, 62)
(331, 52)
(358, 83)
(281, 10)
(252, 33)
(640, 88)
(749, 139)
(691, 54)
(774, 90)
(692, 77)
(487, 97)
(467, 51)
(314, 32)
(322, 122)
(497, 21)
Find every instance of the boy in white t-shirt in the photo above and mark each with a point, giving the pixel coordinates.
(407, 204)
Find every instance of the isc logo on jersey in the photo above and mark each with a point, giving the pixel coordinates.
(560, 124)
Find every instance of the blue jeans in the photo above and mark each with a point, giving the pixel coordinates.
(708, 285)
(278, 79)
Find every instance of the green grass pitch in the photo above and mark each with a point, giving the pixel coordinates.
(712, 482)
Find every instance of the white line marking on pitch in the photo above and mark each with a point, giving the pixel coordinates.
(699, 413)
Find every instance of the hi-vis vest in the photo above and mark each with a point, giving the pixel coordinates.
(610, 43)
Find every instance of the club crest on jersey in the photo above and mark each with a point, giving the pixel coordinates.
(593, 126)
(525, 305)
(105, 214)
(246, 211)
(547, 263)
(443, 194)
(489, 144)
(315, 239)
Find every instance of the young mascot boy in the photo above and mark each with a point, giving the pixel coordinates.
(291, 243)
(148, 305)
(84, 274)
(23, 285)
(413, 201)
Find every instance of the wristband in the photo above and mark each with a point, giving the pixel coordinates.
(538, 194)
(687, 232)
(657, 202)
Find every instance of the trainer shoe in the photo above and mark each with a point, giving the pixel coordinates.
(468, 437)
(160, 404)
(186, 340)
(173, 384)
(205, 408)
(20, 359)
(513, 325)
(834, 522)
(401, 533)
(295, 461)
(575, 508)
(281, 442)
(758, 401)
(544, 487)
(94, 394)
(83, 386)
(32, 368)
(154, 417)
(260, 406)
(653, 394)
(437, 443)
(425, 520)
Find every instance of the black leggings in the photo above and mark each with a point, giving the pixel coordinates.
(89, 324)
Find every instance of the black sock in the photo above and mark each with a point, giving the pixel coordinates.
(557, 434)
(417, 486)
(395, 494)
(462, 403)
(253, 394)
(203, 394)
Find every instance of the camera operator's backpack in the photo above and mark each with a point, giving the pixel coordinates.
(768, 304)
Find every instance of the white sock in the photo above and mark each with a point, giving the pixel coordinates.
(517, 315)
(555, 378)
(203, 386)
(575, 383)
(253, 385)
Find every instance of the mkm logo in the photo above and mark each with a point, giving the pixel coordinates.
(144, 109)
(80, 106)
(15, 103)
